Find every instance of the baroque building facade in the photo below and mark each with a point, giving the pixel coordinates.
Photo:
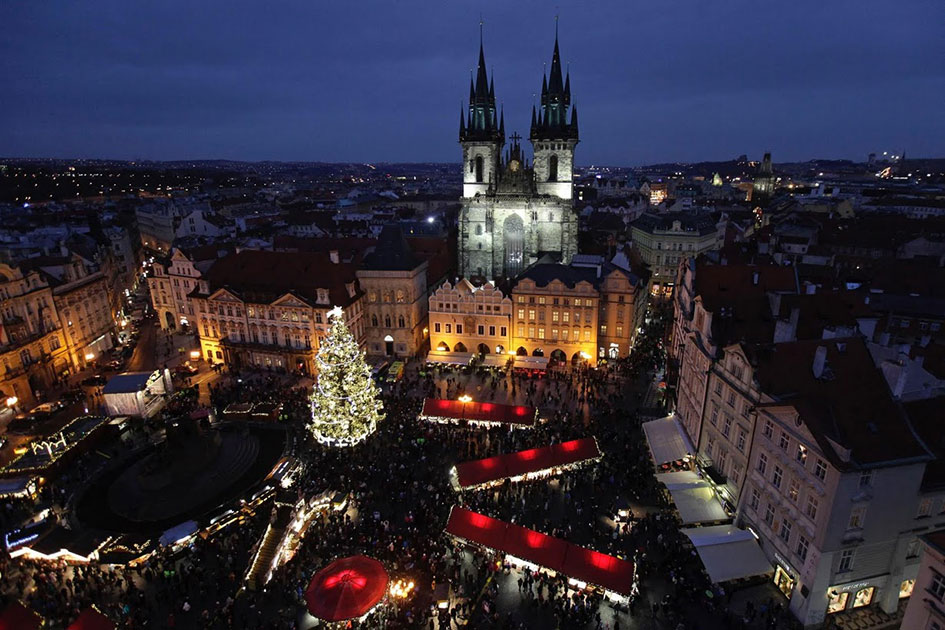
(513, 211)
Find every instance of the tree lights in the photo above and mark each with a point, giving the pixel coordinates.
(345, 403)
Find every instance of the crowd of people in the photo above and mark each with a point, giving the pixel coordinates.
(398, 485)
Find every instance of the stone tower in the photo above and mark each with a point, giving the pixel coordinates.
(513, 212)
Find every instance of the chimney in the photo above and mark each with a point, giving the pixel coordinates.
(820, 360)
(333, 256)
(754, 278)
(901, 378)
(786, 330)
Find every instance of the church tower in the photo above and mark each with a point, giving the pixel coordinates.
(481, 133)
(553, 135)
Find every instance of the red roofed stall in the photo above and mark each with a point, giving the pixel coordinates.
(16, 616)
(494, 414)
(525, 464)
(92, 619)
(582, 565)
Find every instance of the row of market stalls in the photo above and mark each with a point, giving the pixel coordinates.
(727, 552)
(527, 547)
(16, 616)
(445, 357)
(478, 413)
(528, 464)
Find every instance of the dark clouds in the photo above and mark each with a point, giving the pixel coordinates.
(383, 81)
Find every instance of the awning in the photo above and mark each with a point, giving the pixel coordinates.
(526, 463)
(17, 486)
(475, 527)
(694, 498)
(495, 360)
(453, 358)
(728, 553)
(531, 363)
(667, 439)
(179, 532)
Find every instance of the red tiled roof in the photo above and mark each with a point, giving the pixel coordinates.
(263, 276)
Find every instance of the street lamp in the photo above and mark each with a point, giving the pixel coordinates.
(465, 398)
(12, 400)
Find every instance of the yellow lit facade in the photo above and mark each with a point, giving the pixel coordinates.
(464, 318)
(555, 320)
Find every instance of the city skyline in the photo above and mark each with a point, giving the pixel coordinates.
(324, 83)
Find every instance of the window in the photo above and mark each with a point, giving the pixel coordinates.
(531, 314)
(731, 399)
(740, 440)
(820, 469)
(925, 508)
(554, 316)
(587, 335)
(801, 455)
(492, 331)
(459, 329)
(718, 387)
(769, 429)
(746, 408)
(541, 299)
(387, 323)
(777, 477)
(521, 331)
(769, 514)
(374, 323)
(577, 301)
(541, 333)
(802, 545)
(436, 327)
(531, 332)
(784, 441)
(846, 560)
(785, 533)
(912, 550)
(566, 316)
(481, 331)
(503, 331)
(449, 329)
(937, 586)
(794, 490)
(710, 448)
(762, 463)
(755, 499)
(603, 329)
(866, 478)
(714, 417)
(727, 425)
(812, 505)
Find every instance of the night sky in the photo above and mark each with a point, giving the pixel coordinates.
(383, 81)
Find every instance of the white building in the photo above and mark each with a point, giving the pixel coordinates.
(926, 609)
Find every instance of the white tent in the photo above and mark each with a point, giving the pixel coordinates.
(667, 440)
(495, 360)
(694, 498)
(728, 553)
(179, 532)
(531, 363)
(453, 358)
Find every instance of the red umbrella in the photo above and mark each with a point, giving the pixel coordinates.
(347, 588)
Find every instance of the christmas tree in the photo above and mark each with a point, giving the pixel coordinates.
(345, 403)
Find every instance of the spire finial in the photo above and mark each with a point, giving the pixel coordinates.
(480, 30)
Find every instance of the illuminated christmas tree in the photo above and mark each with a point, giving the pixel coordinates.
(345, 403)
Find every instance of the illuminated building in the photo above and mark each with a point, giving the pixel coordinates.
(513, 211)
(665, 240)
(762, 188)
(465, 318)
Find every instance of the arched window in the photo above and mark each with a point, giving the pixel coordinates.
(479, 169)
(387, 321)
(374, 320)
(401, 322)
(553, 168)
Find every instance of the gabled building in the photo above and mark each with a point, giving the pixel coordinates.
(467, 318)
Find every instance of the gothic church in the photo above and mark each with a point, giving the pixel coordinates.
(513, 212)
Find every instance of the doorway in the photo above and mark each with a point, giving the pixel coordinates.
(389, 345)
(784, 582)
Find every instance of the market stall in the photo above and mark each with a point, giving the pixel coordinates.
(695, 499)
(535, 550)
(478, 413)
(728, 553)
(667, 440)
(348, 588)
(137, 393)
(449, 358)
(16, 616)
(92, 619)
(528, 464)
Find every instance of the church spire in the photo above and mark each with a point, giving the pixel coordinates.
(483, 120)
(552, 120)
